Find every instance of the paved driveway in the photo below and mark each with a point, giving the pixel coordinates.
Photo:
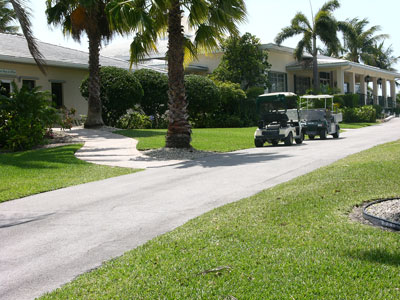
(48, 239)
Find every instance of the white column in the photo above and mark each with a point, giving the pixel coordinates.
(363, 88)
(375, 89)
(393, 90)
(290, 83)
(340, 79)
(384, 92)
(352, 83)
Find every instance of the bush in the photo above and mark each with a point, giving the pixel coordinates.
(359, 114)
(378, 110)
(347, 100)
(119, 91)
(203, 99)
(155, 98)
(134, 119)
(25, 117)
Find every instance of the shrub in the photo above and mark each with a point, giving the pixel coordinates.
(24, 118)
(347, 100)
(203, 99)
(134, 119)
(155, 97)
(359, 114)
(378, 110)
(119, 91)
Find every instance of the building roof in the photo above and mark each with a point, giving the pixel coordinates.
(14, 48)
(324, 61)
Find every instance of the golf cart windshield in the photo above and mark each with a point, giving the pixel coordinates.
(276, 101)
(313, 115)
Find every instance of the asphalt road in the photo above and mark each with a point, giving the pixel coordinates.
(48, 239)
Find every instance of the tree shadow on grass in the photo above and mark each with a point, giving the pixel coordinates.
(138, 133)
(381, 256)
(51, 158)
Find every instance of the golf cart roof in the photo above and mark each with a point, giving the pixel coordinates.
(316, 97)
(282, 100)
(286, 94)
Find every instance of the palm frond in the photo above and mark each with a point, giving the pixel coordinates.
(142, 45)
(330, 6)
(23, 17)
(286, 33)
(301, 22)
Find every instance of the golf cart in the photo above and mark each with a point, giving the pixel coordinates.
(280, 119)
(319, 121)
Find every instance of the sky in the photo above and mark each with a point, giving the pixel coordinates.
(265, 20)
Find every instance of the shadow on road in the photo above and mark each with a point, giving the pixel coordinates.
(230, 159)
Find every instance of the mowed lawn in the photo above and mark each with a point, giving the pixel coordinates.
(206, 139)
(31, 172)
(209, 139)
(293, 241)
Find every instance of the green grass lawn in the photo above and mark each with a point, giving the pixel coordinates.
(207, 139)
(31, 172)
(355, 125)
(293, 241)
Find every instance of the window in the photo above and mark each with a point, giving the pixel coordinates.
(302, 84)
(57, 92)
(5, 88)
(325, 78)
(277, 82)
(30, 84)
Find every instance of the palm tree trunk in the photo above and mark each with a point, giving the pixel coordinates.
(315, 66)
(94, 118)
(179, 131)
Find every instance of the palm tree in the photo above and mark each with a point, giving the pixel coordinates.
(152, 19)
(359, 41)
(77, 17)
(19, 13)
(381, 57)
(323, 26)
(7, 16)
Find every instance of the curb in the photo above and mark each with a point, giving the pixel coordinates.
(388, 118)
(379, 221)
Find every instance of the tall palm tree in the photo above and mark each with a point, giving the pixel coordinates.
(22, 15)
(323, 26)
(7, 17)
(382, 57)
(359, 41)
(77, 17)
(152, 19)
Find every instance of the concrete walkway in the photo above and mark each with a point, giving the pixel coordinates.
(46, 240)
(106, 148)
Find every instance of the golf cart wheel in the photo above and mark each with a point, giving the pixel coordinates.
(322, 135)
(311, 137)
(289, 139)
(258, 143)
(336, 134)
(300, 140)
(274, 142)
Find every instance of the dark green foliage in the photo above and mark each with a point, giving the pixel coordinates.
(378, 110)
(119, 91)
(134, 119)
(203, 99)
(243, 62)
(359, 114)
(155, 98)
(25, 117)
(347, 100)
